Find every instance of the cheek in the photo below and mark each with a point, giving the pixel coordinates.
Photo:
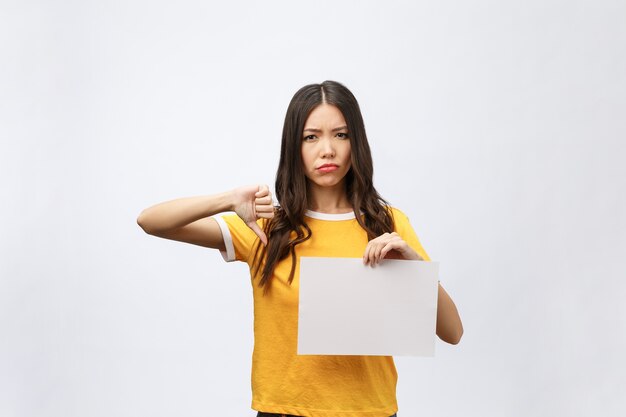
(306, 158)
(348, 154)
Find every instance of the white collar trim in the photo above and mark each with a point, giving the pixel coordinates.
(329, 216)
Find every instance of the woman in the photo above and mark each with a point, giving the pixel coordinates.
(328, 206)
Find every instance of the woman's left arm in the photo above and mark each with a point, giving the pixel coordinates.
(392, 246)
(449, 326)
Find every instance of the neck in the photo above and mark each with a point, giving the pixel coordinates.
(330, 200)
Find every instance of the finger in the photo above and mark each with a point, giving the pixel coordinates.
(263, 200)
(400, 248)
(384, 251)
(388, 248)
(263, 191)
(370, 252)
(257, 230)
(400, 244)
(265, 215)
(377, 251)
(366, 253)
(391, 243)
(264, 209)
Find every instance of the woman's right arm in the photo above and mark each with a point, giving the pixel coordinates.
(188, 219)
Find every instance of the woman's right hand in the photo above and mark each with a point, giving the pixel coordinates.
(251, 203)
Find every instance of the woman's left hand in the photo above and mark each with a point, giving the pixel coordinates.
(388, 246)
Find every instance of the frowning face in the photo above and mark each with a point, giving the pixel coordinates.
(326, 147)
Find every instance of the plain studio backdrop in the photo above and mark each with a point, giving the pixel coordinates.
(497, 127)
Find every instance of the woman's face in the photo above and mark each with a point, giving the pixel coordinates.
(326, 146)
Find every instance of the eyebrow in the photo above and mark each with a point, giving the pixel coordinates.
(310, 129)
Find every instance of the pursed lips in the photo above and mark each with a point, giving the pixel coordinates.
(327, 167)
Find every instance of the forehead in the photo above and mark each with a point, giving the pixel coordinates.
(325, 115)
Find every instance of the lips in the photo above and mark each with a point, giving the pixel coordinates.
(328, 168)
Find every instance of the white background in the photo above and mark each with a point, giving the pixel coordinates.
(497, 126)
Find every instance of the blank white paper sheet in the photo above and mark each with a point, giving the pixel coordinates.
(347, 308)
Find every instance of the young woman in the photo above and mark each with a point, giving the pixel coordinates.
(328, 206)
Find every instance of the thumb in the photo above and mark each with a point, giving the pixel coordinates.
(263, 190)
(257, 230)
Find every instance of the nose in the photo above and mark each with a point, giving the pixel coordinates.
(327, 149)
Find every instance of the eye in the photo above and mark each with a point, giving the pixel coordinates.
(309, 138)
(343, 135)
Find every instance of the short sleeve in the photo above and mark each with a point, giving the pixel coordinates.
(405, 230)
(239, 239)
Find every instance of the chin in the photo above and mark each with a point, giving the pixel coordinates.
(328, 184)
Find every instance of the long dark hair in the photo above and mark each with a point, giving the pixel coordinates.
(370, 209)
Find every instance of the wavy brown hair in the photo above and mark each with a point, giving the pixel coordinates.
(370, 209)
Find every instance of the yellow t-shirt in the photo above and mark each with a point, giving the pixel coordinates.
(312, 385)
